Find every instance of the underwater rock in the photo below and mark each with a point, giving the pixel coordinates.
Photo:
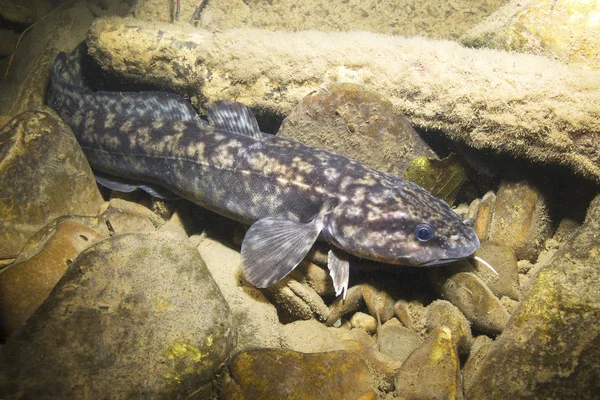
(128, 308)
(317, 278)
(527, 106)
(476, 301)
(25, 86)
(442, 178)
(520, 219)
(295, 301)
(279, 374)
(340, 307)
(565, 229)
(43, 175)
(432, 371)
(401, 312)
(481, 346)
(566, 30)
(363, 321)
(127, 217)
(25, 284)
(397, 341)
(481, 213)
(503, 259)
(254, 316)
(551, 345)
(443, 313)
(379, 303)
(358, 123)
(394, 18)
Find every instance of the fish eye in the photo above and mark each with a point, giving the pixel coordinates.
(424, 232)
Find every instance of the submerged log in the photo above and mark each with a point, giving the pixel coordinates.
(525, 105)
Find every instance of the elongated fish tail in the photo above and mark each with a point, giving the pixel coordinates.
(70, 97)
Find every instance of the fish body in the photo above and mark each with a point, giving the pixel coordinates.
(290, 193)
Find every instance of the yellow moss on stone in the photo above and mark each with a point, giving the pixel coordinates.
(161, 304)
(442, 178)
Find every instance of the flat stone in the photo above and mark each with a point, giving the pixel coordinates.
(432, 371)
(285, 374)
(128, 308)
(340, 307)
(551, 345)
(43, 175)
(397, 341)
(482, 214)
(26, 284)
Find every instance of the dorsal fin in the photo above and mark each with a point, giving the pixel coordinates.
(233, 117)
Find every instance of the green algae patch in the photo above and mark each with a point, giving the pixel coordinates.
(442, 178)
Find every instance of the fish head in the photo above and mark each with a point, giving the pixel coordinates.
(401, 225)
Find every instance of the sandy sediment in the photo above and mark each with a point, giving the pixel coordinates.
(529, 106)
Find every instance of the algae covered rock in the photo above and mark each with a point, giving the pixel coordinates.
(285, 374)
(43, 175)
(134, 316)
(442, 178)
(568, 30)
(551, 345)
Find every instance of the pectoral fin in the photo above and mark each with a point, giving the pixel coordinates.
(272, 248)
(339, 269)
(127, 186)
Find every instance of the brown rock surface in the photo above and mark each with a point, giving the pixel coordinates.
(520, 219)
(551, 345)
(352, 120)
(432, 371)
(285, 374)
(26, 284)
(43, 175)
(134, 316)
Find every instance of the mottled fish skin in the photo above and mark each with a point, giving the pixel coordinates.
(295, 192)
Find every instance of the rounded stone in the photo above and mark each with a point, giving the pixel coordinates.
(27, 283)
(550, 347)
(520, 219)
(43, 175)
(476, 301)
(352, 120)
(503, 260)
(363, 321)
(443, 313)
(432, 371)
(134, 316)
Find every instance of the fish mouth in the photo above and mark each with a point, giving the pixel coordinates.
(440, 262)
